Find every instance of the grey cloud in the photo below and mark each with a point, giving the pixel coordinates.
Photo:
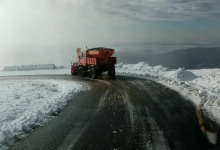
(158, 9)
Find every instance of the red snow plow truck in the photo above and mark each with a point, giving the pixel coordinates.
(94, 61)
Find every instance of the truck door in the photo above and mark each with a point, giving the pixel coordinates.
(83, 58)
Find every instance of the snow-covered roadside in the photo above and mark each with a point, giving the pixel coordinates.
(26, 104)
(202, 87)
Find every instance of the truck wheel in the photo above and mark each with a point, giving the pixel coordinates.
(93, 73)
(99, 72)
(82, 73)
(111, 73)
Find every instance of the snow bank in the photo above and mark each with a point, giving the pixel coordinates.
(180, 75)
(144, 70)
(140, 69)
(202, 87)
(26, 104)
(204, 72)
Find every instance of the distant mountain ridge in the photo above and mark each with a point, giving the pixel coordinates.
(191, 58)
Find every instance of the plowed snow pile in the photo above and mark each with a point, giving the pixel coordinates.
(140, 68)
(144, 70)
(25, 104)
(203, 87)
(180, 74)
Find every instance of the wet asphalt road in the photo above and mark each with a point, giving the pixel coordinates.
(123, 113)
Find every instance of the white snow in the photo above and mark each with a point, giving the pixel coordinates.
(25, 104)
(202, 87)
(181, 74)
(204, 72)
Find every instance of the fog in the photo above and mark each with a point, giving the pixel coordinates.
(46, 31)
(49, 31)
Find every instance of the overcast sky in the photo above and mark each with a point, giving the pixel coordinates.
(43, 31)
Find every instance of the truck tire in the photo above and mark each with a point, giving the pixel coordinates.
(82, 72)
(99, 72)
(111, 73)
(93, 73)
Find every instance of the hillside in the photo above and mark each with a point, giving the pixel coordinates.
(191, 58)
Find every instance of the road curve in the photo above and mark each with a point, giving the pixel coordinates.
(124, 113)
